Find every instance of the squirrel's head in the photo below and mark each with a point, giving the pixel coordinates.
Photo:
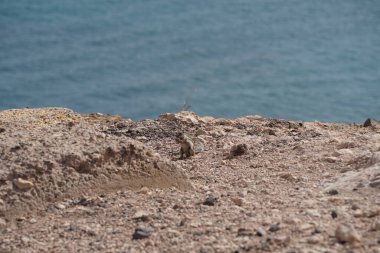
(180, 137)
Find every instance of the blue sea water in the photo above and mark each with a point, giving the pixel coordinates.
(294, 59)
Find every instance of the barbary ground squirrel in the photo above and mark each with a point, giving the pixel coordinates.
(187, 146)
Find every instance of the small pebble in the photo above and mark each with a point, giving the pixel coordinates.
(333, 192)
(260, 232)
(263, 245)
(375, 184)
(73, 227)
(141, 233)
(20, 219)
(60, 206)
(305, 227)
(358, 213)
(334, 214)
(313, 213)
(244, 232)
(25, 239)
(367, 123)
(32, 221)
(141, 215)
(3, 223)
(143, 190)
(282, 240)
(317, 238)
(375, 226)
(239, 149)
(331, 159)
(355, 207)
(206, 249)
(238, 201)
(274, 227)
(210, 200)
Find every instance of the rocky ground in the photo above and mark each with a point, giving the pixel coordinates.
(98, 183)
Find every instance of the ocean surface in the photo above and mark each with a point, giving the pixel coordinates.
(293, 59)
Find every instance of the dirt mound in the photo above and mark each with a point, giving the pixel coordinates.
(53, 153)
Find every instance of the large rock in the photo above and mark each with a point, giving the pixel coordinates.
(364, 178)
(185, 117)
(48, 154)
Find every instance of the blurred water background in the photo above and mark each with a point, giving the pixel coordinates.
(294, 59)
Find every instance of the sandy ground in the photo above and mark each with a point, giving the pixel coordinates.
(98, 183)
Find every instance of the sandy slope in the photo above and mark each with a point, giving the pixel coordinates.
(95, 179)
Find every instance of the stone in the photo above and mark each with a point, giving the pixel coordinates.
(372, 212)
(244, 232)
(141, 215)
(90, 231)
(60, 206)
(310, 202)
(32, 221)
(291, 220)
(200, 132)
(25, 239)
(210, 200)
(238, 149)
(358, 213)
(243, 193)
(375, 184)
(238, 201)
(3, 223)
(334, 214)
(315, 239)
(343, 152)
(345, 145)
(149, 243)
(367, 123)
(217, 133)
(72, 227)
(282, 240)
(305, 227)
(370, 122)
(269, 131)
(199, 144)
(347, 234)
(142, 233)
(264, 246)
(20, 219)
(183, 116)
(375, 226)
(274, 227)
(313, 213)
(206, 249)
(23, 184)
(375, 158)
(260, 231)
(331, 159)
(144, 190)
(287, 176)
(333, 192)
(355, 206)
(316, 231)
